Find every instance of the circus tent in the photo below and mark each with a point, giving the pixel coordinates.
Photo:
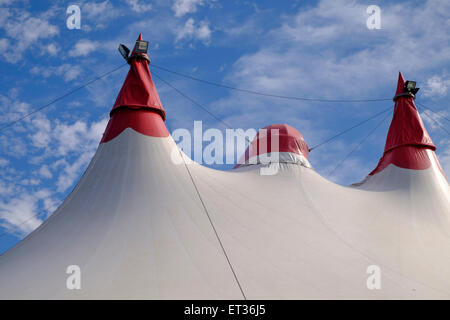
(141, 226)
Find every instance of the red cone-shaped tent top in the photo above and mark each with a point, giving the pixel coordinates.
(407, 141)
(137, 105)
(289, 140)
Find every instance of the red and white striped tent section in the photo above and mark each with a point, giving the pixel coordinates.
(142, 226)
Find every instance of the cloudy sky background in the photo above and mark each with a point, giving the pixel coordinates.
(302, 48)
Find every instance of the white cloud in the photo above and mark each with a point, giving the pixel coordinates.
(138, 6)
(436, 86)
(97, 15)
(95, 10)
(182, 7)
(18, 215)
(45, 172)
(5, 14)
(96, 130)
(6, 189)
(187, 30)
(330, 44)
(30, 29)
(23, 30)
(72, 73)
(67, 71)
(203, 31)
(3, 162)
(13, 146)
(78, 138)
(66, 146)
(72, 171)
(5, 2)
(83, 47)
(30, 182)
(51, 49)
(4, 45)
(426, 116)
(70, 137)
(190, 31)
(41, 138)
(436, 122)
(11, 109)
(443, 154)
(77, 141)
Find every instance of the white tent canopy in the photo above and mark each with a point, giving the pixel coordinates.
(141, 226)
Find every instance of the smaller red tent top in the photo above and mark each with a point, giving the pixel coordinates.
(138, 90)
(406, 127)
(138, 105)
(407, 139)
(289, 140)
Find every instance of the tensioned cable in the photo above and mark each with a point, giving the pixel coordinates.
(277, 96)
(357, 146)
(436, 122)
(195, 185)
(283, 97)
(348, 129)
(264, 93)
(192, 100)
(230, 127)
(196, 103)
(213, 227)
(60, 97)
(435, 112)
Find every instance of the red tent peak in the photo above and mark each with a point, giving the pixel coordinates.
(288, 136)
(140, 37)
(400, 84)
(138, 105)
(138, 90)
(290, 140)
(407, 139)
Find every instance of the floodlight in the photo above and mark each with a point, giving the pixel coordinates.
(410, 86)
(124, 51)
(141, 46)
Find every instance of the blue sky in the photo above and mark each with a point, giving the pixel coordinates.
(300, 48)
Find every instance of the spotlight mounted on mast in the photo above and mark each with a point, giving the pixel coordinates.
(409, 90)
(141, 46)
(410, 86)
(139, 51)
(124, 51)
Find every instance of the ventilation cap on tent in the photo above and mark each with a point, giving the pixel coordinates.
(407, 141)
(280, 140)
(138, 105)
